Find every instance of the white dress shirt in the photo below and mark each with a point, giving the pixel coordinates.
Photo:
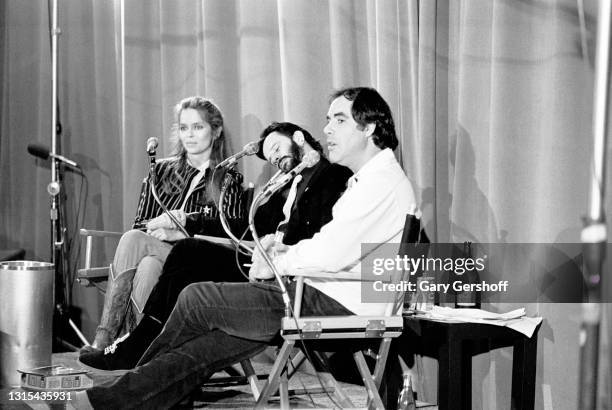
(372, 210)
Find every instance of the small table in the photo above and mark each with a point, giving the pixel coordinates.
(454, 343)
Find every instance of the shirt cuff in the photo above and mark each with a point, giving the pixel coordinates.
(281, 264)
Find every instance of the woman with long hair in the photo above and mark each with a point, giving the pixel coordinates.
(186, 186)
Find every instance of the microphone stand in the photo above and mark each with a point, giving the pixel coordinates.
(54, 188)
(59, 256)
(237, 242)
(594, 234)
(258, 199)
(152, 180)
(277, 182)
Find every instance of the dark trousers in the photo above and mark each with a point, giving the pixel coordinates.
(190, 261)
(212, 326)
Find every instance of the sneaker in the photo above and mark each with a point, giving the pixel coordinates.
(112, 360)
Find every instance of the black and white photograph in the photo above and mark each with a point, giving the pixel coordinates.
(293, 204)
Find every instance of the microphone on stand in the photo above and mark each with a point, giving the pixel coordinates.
(43, 152)
(151, 149)
(309, 160)
(249, 149)
(152, 144)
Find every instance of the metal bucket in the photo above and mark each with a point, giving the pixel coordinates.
(26, 317)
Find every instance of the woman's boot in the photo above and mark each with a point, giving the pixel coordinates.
(116, 302)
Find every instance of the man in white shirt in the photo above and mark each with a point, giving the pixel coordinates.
(214, 325)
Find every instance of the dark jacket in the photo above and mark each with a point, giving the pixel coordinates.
(320, 188)
(201, 210)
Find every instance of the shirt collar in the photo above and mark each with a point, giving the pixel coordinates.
(376, 162)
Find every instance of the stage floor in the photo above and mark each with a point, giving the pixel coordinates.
(219, 397)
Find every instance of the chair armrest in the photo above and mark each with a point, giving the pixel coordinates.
(92, 232)
(87, 271)
(93, 273)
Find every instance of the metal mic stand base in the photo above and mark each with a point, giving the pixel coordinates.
(66, 317)
(65, 338)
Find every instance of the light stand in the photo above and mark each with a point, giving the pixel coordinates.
(594, 235)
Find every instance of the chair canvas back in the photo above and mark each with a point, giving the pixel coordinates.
(412, 235)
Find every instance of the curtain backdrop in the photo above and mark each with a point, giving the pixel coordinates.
(491, 98)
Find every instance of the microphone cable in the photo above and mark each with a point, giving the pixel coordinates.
(152, 181)
(289, 313)
(274, 185)
(238, 252)
(241, 247)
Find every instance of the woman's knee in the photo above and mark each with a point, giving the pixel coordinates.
(135, 245)
(129, 250)
(131, 240)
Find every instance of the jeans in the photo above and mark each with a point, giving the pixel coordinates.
(144, 253)
(136, 266)
(212, 326)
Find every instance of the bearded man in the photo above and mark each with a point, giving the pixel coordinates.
(295, 213)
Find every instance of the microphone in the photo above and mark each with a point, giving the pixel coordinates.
(43, 152)
(309, 160)
(249, 149)
(152, 144)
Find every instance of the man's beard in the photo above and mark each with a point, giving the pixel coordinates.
(290, 161)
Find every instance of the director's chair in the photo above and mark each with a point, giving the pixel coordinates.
(322, 332)
(91, 275)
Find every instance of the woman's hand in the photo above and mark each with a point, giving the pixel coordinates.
(168, 235)
(164, 222)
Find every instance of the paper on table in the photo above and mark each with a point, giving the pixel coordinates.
(525, 325)
(476, 313)
(514, 319)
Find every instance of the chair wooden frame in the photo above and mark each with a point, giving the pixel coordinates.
(383, 328)
(89, 275)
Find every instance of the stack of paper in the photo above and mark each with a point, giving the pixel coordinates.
(514, 319)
